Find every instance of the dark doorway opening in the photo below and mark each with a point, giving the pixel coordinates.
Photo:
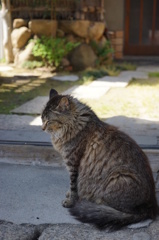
(141, 27)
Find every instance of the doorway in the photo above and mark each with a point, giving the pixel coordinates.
(141, 27)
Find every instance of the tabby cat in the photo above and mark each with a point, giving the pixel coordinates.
(111, 182)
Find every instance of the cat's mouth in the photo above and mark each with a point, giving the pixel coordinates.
(44, 125)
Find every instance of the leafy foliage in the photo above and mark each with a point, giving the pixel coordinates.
(94, 74)
(52, 50)
(102, 52)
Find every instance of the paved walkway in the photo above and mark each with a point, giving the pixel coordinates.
(94, 90)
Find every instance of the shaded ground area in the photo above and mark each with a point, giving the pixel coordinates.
(18, 90)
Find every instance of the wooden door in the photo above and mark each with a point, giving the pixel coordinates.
(141, 27)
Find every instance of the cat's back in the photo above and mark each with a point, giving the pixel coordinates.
(107, 149)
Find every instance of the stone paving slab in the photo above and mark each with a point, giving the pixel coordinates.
(148, 69)
(71, 78)
(88, 92)
(34, 106)
(134, 74)
(94, 90)
(28, 128)
(5, 68)
(115, 81)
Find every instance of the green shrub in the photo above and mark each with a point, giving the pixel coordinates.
(96, 74)
(52, 50)
(102, 52)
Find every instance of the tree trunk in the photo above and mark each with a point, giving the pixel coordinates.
(6, 21)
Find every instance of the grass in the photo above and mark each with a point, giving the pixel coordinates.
(139, 99)
(14, 91)
(18, 92)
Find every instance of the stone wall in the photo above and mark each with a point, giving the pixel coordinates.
(83, 31)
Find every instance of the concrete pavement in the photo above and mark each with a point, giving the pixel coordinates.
(31, 196)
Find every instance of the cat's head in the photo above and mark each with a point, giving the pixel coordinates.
(64, 113)
(56, 111)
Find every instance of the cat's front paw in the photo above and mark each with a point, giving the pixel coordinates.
(68, 203)
(71, 198)
(68, 194)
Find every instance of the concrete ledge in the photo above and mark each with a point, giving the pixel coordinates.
(11, 231)
(29, 155)
(46, 155)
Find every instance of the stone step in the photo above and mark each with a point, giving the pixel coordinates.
(29, 153)
(38, 153)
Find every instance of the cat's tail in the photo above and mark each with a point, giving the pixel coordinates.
(104, 216)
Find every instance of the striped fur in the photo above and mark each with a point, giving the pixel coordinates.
(111, 182)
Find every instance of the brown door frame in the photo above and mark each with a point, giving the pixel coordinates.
(139, 49)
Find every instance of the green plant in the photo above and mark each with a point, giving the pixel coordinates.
(95, 74)
(154, 74)
(102, 52)
(52, 50)
(32, 64)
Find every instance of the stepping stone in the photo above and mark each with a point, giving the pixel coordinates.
(148, 69)
(134, 74)
(71, 78)
(34, 106)
(115, 81)
(5, 68)
(88, 92)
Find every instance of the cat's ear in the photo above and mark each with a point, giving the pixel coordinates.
(53, 93)
(64, 104)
